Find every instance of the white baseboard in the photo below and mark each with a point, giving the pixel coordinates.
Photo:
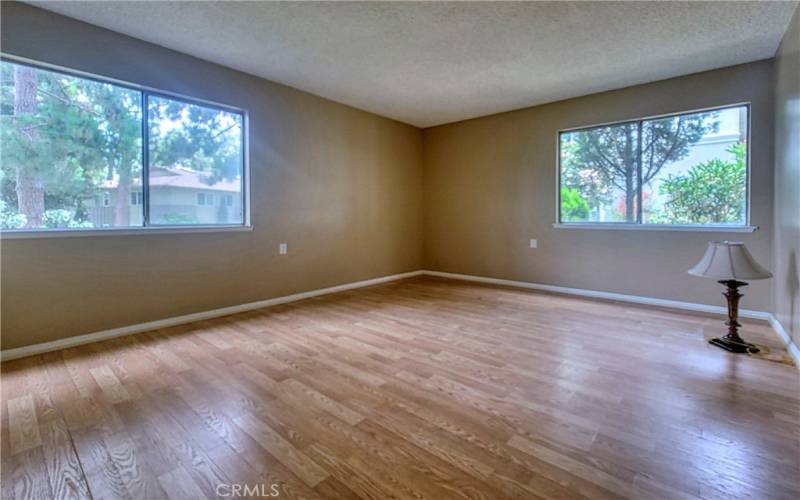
(30, 350)
(55, 345)
(791, 347)
(794, 352)
(635, 299)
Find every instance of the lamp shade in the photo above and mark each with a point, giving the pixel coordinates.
(729, 260)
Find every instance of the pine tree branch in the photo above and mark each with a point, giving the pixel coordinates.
(69, 102)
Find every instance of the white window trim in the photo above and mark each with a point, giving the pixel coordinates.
(246, 225)
(27, 234)
(698, 228)
(747, 227)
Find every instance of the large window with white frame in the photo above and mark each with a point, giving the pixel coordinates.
(83, 153)
(688, 169)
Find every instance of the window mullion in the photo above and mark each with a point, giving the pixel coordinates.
(640, 188)
(145, 161)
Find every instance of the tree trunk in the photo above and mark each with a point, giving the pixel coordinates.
(30, 197)
(630, 198)
(30, 187)
(122, 213)
(630, 175)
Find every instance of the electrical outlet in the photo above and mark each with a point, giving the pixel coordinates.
(534, 243)
(283, 249)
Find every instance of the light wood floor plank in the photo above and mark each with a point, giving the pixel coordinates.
(23, 426)
(110, 384)
(420, 389)
(322, 401)
(179, 485)
(67, 479)
(296, 461)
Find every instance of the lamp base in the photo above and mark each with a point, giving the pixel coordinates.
(738, 346)
(732, 342)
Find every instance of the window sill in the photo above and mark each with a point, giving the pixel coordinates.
(122, 231)
(654, 227)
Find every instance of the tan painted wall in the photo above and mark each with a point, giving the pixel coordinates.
(347, 191)
(787, 181)
(489, 187)
(341, 186)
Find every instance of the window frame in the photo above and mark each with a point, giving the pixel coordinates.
(146, 228)
(639, 225)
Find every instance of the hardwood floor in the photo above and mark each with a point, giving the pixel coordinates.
(424, 388)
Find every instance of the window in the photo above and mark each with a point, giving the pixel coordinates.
(194, 147)
(686, 169)
(208, 199)
(80, 153)
(66, 142)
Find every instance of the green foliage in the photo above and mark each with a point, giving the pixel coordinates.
(573, 206)
(10, 219)
(712, 192)
(203, 139)
(57, 218)
(589, 183)
(55, 144)
(177, 219)
(72, 135)
(60, 218)
(75, 135)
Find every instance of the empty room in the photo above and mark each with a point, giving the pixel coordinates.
(400, 250)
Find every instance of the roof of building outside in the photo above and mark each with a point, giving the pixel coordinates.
(181, 177)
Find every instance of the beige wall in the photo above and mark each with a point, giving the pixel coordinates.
(786, 284)
(489, 186)
(341, 186)
(347, 191)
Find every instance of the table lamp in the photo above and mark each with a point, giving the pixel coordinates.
(729, 262)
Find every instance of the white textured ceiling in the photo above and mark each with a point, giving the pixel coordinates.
(430, 63)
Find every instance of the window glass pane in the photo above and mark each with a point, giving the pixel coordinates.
(194, 148)
(695, 168)
(599, 179)
(71, 151)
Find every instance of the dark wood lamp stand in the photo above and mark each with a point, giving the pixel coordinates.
(732, 341)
